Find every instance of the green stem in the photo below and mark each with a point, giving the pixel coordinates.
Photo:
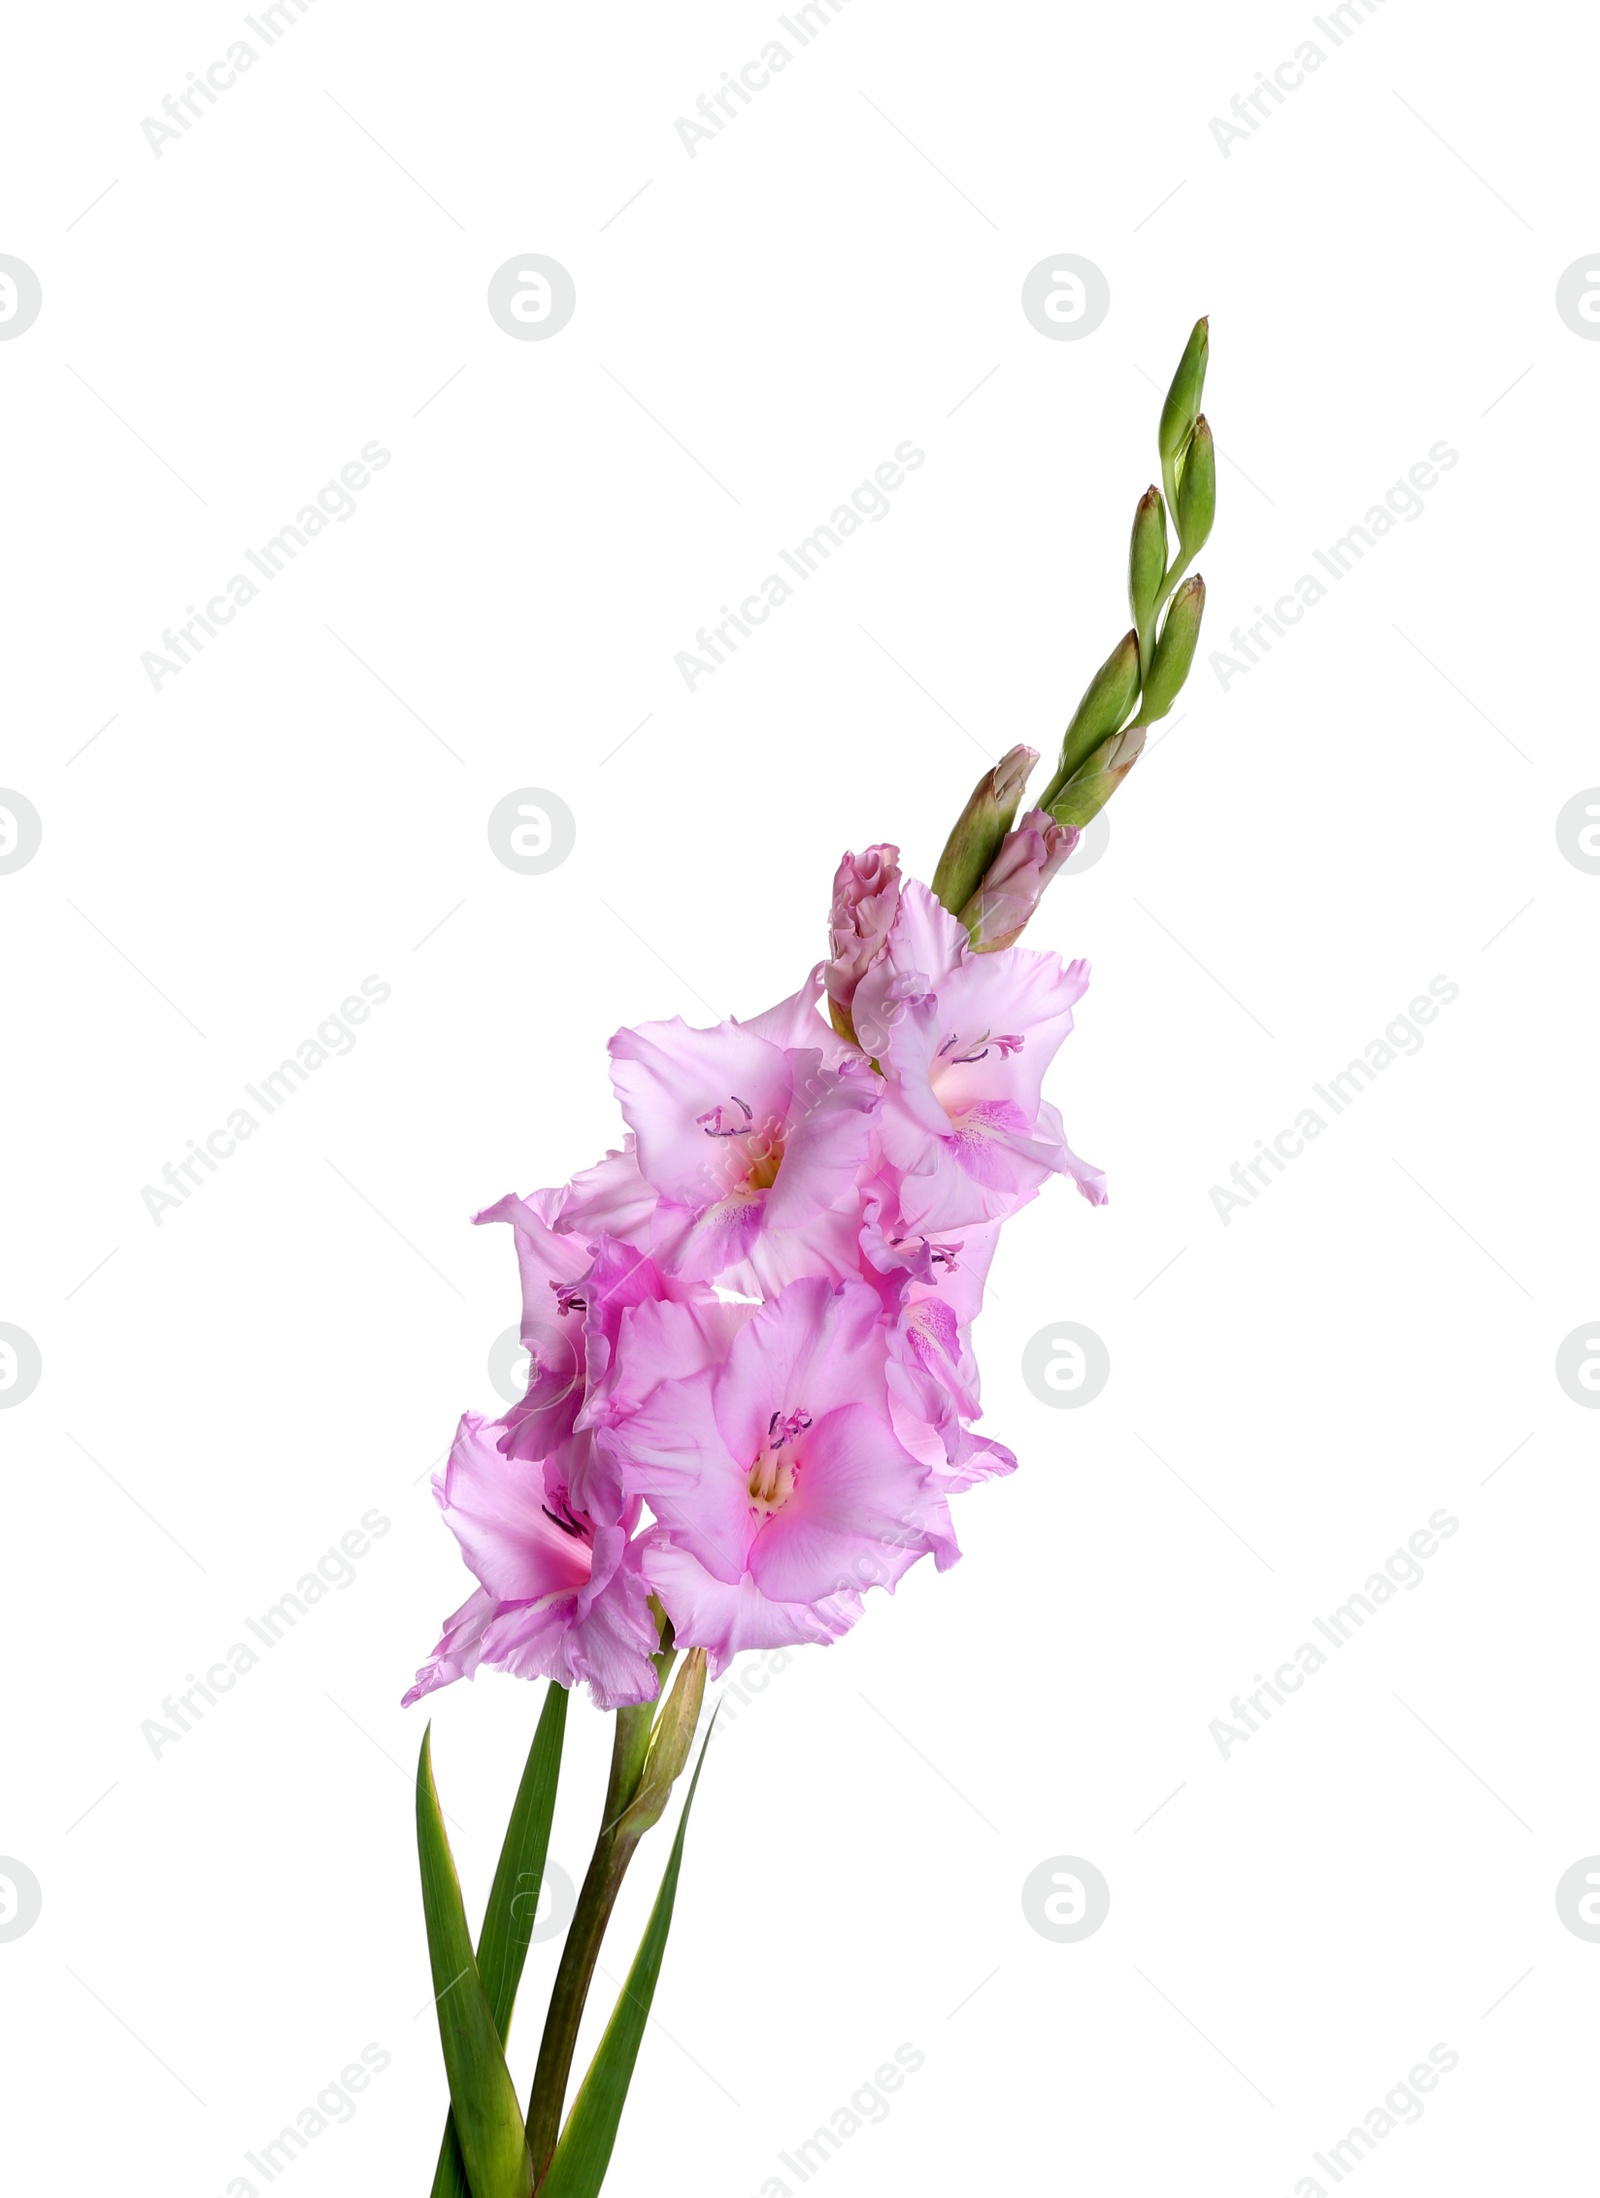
(1147, 647)
(613, 1851)
(1175, 572)
(607, 1867)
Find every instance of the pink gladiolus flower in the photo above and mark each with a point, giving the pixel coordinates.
(561, 1595)
(751, 1384)
(753, 1390)
(964, 1041)
(796, 1021)
(932, 1290)
(780, 1488)
(610, 1199)
(752, 1148)
(552, 1268)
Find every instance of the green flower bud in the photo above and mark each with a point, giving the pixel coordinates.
(1180, 632)
(1147, 563)
(670, 1738)
(1093, 784)
(980, 828)
(1197, 491)
(1104, 707)
(1182, 407)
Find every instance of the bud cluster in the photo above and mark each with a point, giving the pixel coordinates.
(988, 871)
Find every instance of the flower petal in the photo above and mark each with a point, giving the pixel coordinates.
(723, 1617)
(668, 1077)
(858, 1516)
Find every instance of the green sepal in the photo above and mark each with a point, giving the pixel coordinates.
(1093, 784)
(1180, 635)
(671, 1738)
(1182, 406)
(1103, 709)
(1147, 564)
(1197, 491)
(981, 826)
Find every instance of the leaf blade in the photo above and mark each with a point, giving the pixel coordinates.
(483, 2099)
(581, 2158)
(508, 1920)
(514, 1896)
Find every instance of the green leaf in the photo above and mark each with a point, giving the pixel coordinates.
(514, 1895)
(584, 2153)
(513, 1901)
(483, 2098)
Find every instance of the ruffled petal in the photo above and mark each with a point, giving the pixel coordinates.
(723, 1616)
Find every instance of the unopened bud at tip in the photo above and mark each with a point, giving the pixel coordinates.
(1182, 406)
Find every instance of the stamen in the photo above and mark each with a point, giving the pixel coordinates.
(711, 1120)
(1007, 1043)
(569, 1299)
(569, 1525)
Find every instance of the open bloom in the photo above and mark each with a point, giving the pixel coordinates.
(964, 1041)
(752, 1390)
(560, 1594)
(751, 1147)
(552, 1269)
(780, 1488)
(931, 1289)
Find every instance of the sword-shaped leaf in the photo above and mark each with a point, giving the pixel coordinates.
(513, 1900)
(483, 2099)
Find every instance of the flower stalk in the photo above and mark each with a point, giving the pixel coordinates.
(752, 1398)
(992, 876)
(649, 1750)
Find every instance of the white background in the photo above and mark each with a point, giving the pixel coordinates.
(1372, 806)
